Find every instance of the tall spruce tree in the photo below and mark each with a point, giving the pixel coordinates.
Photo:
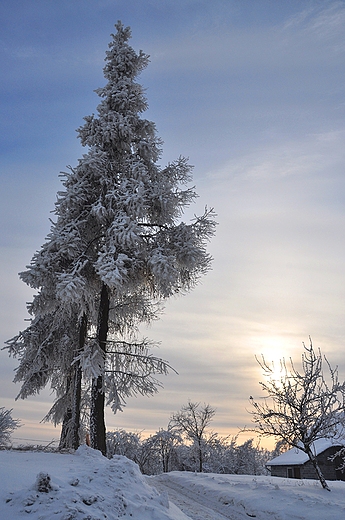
(118, 245)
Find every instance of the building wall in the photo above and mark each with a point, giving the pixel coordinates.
(279, 471)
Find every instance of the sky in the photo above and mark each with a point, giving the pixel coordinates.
(253, 92)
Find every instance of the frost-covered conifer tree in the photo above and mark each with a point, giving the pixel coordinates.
(119, 244)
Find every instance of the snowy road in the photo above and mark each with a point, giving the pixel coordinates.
(195, 504)
(207, 496)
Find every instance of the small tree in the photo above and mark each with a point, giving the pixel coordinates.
(250, 459)
(127, 444)
(192, 421)
(301, 407)
(161, 449)
(7, 425)
(219, 454)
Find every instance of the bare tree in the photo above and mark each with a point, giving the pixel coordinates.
(301, 407)
(192, 421)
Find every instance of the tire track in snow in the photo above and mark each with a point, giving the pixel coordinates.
(194, 505)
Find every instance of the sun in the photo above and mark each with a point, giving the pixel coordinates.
(273, 356)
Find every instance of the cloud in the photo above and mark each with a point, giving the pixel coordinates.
(311, 38)
(325, 21)
(309, 156)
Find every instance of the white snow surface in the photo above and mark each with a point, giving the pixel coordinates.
(87, 486)
(207, 496)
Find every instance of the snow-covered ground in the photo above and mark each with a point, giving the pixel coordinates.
(87, 486)
(215, 497)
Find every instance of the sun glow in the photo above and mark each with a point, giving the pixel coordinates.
(274, 355)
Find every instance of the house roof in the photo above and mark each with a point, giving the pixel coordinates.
(297, 457)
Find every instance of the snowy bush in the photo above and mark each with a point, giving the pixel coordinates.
(7, 425)
(43, 483)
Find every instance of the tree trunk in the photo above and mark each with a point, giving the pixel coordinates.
(76, 397)
(166, 462)
(97, 422)
(319, 473)
(65, 430)
(65, 435)
(200, 456)
(69, 437)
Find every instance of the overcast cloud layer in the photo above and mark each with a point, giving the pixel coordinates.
(253, 93)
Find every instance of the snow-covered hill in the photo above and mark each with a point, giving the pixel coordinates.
(87, 486)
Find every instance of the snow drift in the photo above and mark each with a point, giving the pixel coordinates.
(80, 486)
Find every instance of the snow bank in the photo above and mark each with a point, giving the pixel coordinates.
(81, 486)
